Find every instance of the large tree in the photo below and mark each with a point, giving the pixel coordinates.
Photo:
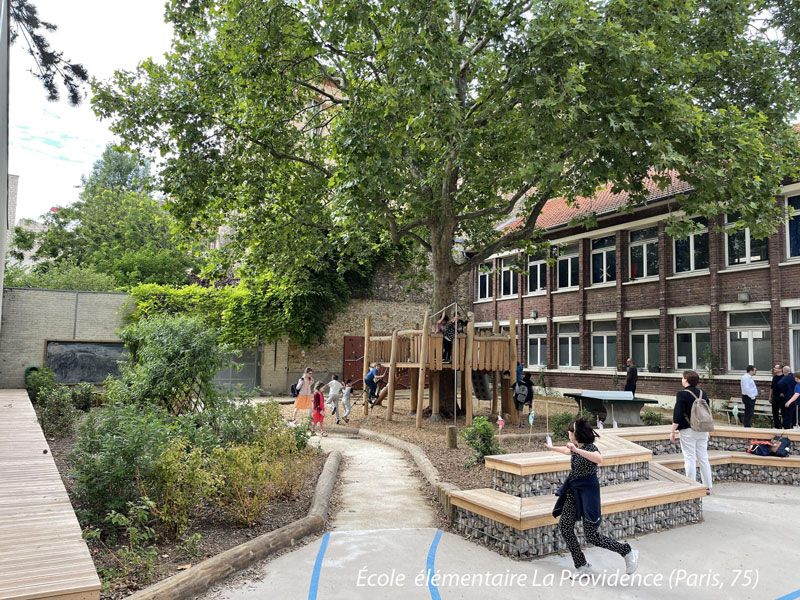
(353, 124)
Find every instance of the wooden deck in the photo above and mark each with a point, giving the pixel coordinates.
(723, 457)
(661, 432)
(615, 450)
(42, 553)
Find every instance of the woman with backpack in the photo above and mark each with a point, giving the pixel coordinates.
(693, 419)
(305, 389)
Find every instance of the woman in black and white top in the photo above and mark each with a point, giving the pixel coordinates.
(579, 498)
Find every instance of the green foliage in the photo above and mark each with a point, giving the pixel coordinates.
(245, 482)
(60, 276)
(57, 414)
(560, 422)
(173, 360)
(652, 417)
(138, 557)
(116, 450)
(288, 475)
(180, 482)
(38, 380)
(762, 421)
(84, 396)
(482, 438)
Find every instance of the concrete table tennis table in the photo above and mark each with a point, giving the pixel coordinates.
(622, 407)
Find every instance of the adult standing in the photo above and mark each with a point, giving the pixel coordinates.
(776, 397)
(369, 380)
(579, 498)
(790, 407)
(787, 385)
(632, 376)
(305, 395)
(694, 444)
(749, 394)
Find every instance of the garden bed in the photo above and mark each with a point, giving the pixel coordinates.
(215, 532)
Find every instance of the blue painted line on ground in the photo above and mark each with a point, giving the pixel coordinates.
(791, 595)
(312, 590)
(432, 588)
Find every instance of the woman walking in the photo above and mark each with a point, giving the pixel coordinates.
(694, 443)
(579, 498)
(306, 389)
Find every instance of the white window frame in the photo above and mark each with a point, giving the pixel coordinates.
(695, 366)
(691, 239)
(540, 337)
(749, 329)
(514, 277)
(604, 251)
(747, 238)
(541, 270)
(575, 361)
(788, 240)
(793, 328)
(605, 335)
(643, 243)
(568, 257)
(488, 274)
(646, 333)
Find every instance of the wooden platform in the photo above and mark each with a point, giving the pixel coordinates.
(42, 553)
(615, 450)
(722, 457)
(661, 432)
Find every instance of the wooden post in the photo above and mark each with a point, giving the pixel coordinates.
(435, 409)
(367, 334)
(413, 380)
(495, 375)
(512, 330)
(392, 374)
(468, 370)
(506, 401)
(452, 437)
(423, 360)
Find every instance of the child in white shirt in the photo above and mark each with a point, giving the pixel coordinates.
(334, 394)
(348, 390)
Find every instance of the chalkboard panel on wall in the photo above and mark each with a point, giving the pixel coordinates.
(74, 362)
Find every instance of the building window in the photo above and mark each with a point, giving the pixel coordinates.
(794, 327)
(604, 344)
(793, 227)
(485, 281)
(508, 277)
(568, 345)
(750, 341)
(645, 344)
(644, 253)
(568, 267)
(604, 259)
(537, 345)
(691, 253)
(692, 342)
(537, 275)
(742, 248)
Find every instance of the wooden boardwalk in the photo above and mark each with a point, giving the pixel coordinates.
(42, 553)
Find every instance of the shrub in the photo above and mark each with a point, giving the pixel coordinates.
(83, 396)
(560, 422)
(180, 482)
(115, 452)
(61, 276)
(289, 475)
(37, 380)
(138, 557)
(245, 484)
(57, 415)
(763, 421)
(481, 437)
(652, 417)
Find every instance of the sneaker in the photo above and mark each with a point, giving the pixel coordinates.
(631, 561)
(584, 571)
(346, 419)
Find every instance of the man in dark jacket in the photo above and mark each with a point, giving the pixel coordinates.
(776, 397)
(786, 387)
(632, 377)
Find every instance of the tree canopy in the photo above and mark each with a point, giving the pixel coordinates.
(319, 127)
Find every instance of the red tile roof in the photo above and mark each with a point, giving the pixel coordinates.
(556, 212)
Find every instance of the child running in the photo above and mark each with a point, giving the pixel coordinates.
(579, 498)
(318, 409)
(346, 394)
(334, 394)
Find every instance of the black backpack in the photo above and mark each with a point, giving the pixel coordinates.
(294, 390)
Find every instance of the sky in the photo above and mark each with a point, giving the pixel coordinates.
(51, 144)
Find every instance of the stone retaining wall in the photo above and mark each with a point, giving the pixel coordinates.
(754, 474)
(715, 443)
(543, 484)
(547, 540)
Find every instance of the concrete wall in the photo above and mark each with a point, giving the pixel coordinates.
(6, 210)
(31, 317)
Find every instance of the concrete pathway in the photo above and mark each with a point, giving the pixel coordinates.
(378, 489)
(743, 550)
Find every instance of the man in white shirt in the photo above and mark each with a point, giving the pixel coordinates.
(749, 395)
(334, 395)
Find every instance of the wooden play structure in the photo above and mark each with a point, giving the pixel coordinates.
(421, 352)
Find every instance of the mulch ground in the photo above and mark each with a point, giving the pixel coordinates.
(217, 535)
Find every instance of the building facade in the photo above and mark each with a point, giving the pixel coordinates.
(715, 301)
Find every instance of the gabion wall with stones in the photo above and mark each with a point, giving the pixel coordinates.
(754, 474)
(543, 484)
(547, 540)
(715, 443)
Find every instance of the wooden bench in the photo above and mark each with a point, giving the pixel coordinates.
(722, 457)
(763, 408)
